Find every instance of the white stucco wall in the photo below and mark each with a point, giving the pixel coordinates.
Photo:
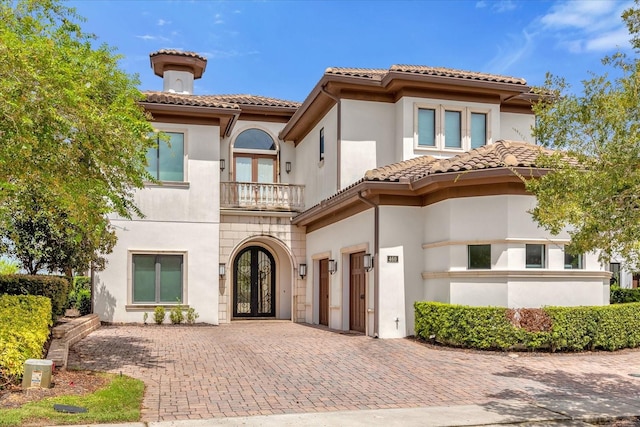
(198, 242)
(503, 222)
(318, 177)
(179, 218)
(337, 241)
(517, 127)
(368, 130)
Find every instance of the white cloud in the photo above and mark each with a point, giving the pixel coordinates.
(148, 37)
(503, 6)
(505, 58)
(162, 22)
(481, 4)
(587, 26)
(609, 41)
(218, 19)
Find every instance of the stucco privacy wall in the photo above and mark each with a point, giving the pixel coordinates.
(198, 242)
(285, 242)
(181, 218)
(337, 241)
(368, 130)
(319, 177)
(504, 222)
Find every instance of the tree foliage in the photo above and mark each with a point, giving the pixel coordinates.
(73, 137)
(597, 197)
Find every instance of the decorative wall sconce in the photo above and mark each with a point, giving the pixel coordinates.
(222, 269)
(222, 165)
(302, 270)
(333, 266)
(287, 167)
(368, 262)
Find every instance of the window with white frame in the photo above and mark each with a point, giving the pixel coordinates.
(535, 256)
(157, 278)
(165, 162)
(573, 261)
(451, 128)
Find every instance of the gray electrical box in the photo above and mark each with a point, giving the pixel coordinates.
(37, 373)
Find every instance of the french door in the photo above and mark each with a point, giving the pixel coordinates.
(254, 283)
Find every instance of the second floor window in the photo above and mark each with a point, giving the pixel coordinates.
(166, 161)
(255, 154)
(535, 256)
(451, 128)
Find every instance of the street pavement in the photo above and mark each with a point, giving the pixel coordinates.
(278, 373)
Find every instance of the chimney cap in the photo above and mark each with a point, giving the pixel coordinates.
(173, 59)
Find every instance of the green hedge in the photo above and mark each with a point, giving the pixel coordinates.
(80, 295)
(56, 288)
(569, 328)
(618, 295)
(24, 329)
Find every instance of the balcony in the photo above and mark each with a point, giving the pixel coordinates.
(263, 197)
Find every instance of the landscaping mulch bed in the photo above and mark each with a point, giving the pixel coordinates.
(65, 382)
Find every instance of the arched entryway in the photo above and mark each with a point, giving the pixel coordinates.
(254, 283)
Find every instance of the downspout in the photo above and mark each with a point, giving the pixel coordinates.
(376, 251)
(338, 135)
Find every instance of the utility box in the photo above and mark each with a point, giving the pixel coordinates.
(37, 373)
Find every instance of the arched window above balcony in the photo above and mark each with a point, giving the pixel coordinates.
(255, 155)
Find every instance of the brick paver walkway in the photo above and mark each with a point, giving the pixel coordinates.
(252, 367)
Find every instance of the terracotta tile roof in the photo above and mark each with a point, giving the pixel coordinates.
(187, 99)
(370, 73)
(256, 100)
(501, 154)
(461, 74)
(177, 53)
(379, 73)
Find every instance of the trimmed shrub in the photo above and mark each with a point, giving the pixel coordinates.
(80, 295)
(158, 315)
(618, 295)
(24, 329)
(56, 288)
(176, 315)
(192, 315)
(555, 328)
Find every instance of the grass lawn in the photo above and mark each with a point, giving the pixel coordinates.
(119, 401)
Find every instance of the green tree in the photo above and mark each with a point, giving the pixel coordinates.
(597, 197)
(72, 133)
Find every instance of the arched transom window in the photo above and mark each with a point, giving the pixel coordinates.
(255, 154)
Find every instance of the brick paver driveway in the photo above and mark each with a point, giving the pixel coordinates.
(251, 367)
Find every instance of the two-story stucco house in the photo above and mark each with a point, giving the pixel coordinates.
(384, 187)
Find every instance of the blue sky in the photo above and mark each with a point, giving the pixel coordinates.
(281, 48)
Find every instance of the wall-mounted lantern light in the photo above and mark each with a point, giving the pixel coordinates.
(287, 167)
(222, 269)
(222, 165)
(368, 262)
(302, 270)
(333, 266)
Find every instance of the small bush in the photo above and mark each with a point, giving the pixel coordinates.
(9, 267)
(192, 315)
(609, 327)
(618, 295)
(176, 315)
(145, 316)
(56, 288)
(159, 314)
(80, 295)
(24, 329)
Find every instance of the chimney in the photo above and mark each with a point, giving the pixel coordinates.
(178, 69)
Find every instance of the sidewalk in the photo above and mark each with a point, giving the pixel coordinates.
(560, 413)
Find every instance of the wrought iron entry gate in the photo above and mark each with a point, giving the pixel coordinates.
(254, 283)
